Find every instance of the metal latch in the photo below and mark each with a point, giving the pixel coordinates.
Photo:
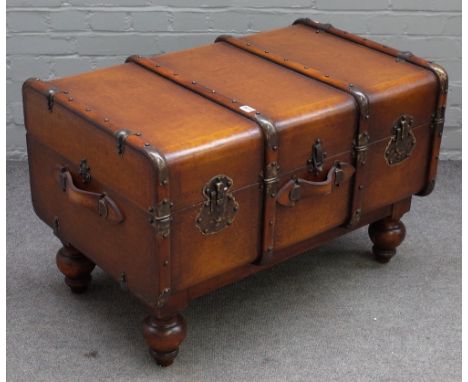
(339, 175)
(402, 142)
(317, 157)
(220, 207)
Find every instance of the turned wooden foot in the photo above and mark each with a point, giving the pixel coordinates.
(76, 267)
(386, 234)
(163, 336)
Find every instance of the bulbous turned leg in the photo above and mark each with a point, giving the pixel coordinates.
(386, 234)
(163, 336)
(76, 267)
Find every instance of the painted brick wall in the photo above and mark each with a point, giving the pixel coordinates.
(54, 38)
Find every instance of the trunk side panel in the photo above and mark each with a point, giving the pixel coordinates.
(127, 247)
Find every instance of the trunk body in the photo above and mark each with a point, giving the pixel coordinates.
(182, 172)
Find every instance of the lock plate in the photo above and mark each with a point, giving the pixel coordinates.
(219, 208)
(402, 141)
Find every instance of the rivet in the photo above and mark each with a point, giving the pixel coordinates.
(194, 82)
(273, 194)
(165, 181)
(275, 147)
(326, 75)
(234, 101)
(272, 222)
(66, 92)
(351, 85)
(147, 144)
(165, 235)
(229, 222)
(150, 209)
(266, 51)
(248, 44)
(213, 91)
(361, 186)
(106, 119)
(306, 67)
(157, 65)
(205, 230)
(235, 208)
(88, 109)
(138, 134)
(165, 201)
(199, 220)
(166, 263)
(70, 99)
(317, 31)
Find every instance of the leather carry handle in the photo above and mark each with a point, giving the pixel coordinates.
(104, 206)
(297, 189)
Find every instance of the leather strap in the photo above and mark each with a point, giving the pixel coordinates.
(99, 203)
(297, 189)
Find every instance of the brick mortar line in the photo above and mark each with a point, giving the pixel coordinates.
(91, 32)
(214, 9)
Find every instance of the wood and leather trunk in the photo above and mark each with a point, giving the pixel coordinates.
(182, 172)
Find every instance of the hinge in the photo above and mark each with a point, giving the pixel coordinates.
(361, 147)
(160, 217)
(438, 126)
(271, 179)
(438, 122)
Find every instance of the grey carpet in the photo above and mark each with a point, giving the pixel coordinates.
(330, 315)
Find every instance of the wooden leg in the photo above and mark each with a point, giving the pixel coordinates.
(76, 267)
(163, 336)
(386, 234)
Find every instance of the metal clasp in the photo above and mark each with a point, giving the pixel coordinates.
(339, 175)
(102, 207)
(219, 208)
(85, 171)
(317, 157)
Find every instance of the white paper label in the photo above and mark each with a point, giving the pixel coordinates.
(247, 108)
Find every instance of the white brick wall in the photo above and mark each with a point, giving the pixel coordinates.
(53, 38)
